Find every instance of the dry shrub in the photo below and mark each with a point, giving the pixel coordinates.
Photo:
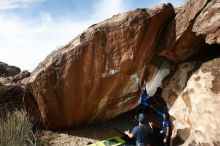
(17, 130)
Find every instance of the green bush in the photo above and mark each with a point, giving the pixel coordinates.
(16, 129)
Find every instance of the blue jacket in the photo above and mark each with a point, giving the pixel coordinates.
(166, 123)
(144, 97)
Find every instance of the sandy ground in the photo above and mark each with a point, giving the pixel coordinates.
(98, 131)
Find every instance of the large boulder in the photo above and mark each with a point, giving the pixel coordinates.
(195, 23)
(196, 110)
(95, 77)
(11, 96)
(19, 78)
(8, 70)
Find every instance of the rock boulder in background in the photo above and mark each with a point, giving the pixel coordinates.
(12, 86)
(7, 70)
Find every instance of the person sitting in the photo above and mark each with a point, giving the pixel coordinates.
(141, 132)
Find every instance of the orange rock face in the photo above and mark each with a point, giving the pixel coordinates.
(95, 77)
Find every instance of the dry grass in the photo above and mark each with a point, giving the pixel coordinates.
(16, 129)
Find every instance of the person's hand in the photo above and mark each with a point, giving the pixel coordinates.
(151, 124)
(164, 140)
(161, 131)
(127, 132)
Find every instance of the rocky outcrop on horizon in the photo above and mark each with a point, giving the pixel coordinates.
(7, 70)
(12, 86)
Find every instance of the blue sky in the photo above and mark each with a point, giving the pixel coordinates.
(31, 29)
